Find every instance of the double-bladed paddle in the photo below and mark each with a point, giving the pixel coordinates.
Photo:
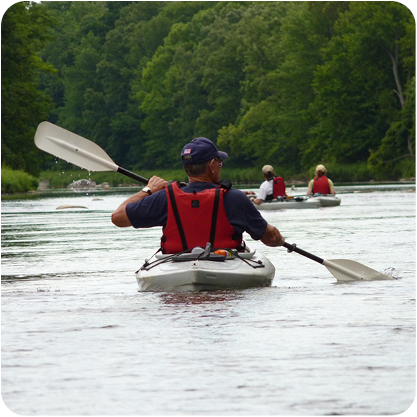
(88, 155)
(342, 269)
(77, 150)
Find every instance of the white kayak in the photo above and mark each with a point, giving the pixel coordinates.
(191, 272)
(291, 203)
(326, 200)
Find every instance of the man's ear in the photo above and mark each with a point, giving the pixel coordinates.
(211, 166)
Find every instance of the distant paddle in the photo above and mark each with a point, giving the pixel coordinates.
(342, 269)
(77, 150)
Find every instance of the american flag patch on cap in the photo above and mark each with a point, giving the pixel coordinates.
(187, 151)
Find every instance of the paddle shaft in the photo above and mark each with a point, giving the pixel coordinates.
(132, 175)
(293, 248)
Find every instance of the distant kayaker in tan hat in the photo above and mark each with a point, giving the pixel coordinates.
(266, 190)
(320, 184)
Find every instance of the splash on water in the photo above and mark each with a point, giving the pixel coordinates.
(392, 272)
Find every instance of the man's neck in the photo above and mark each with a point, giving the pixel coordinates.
(201, 178)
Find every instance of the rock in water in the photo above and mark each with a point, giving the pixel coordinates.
(69, 206)
(44, 185)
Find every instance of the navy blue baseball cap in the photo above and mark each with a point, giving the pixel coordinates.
(200, 150)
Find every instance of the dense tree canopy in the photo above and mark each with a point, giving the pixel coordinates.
(364, 85)
(287, 83)
(23, 105)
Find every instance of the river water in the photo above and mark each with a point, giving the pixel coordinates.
(79, 339)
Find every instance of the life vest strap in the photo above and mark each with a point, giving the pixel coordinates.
(214, 216)
(177, 217)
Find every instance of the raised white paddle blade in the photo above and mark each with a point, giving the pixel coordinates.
(346, 270)
(72, 148)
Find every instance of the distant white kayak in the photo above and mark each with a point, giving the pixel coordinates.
(292, 203)
(189, 272)
(300, 203)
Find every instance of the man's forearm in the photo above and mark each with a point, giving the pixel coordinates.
(119, 217)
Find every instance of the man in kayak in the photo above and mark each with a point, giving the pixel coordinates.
(320, 184)
(205, 210)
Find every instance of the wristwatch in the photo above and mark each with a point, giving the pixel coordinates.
(147, 190)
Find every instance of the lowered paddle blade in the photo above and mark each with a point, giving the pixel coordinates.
(77, 150)
(346, 270)
(342, 269)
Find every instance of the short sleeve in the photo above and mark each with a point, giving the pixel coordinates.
(149, 212)
(264, 190)
(243, 215)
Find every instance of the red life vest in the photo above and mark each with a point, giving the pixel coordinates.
(208, 223)
(278, 187)
(321, 185)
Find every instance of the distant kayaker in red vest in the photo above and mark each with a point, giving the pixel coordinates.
(320, 184)
(272, 187)
(205, 210)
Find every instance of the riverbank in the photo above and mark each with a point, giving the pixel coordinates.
(295, 186)
(14, 187)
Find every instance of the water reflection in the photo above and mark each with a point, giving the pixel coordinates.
(200, 298)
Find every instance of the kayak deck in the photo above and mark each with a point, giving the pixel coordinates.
(326, 200)
(166, 273)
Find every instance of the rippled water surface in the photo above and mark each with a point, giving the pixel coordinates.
(79, 339)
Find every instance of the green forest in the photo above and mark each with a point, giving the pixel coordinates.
(292, 84)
